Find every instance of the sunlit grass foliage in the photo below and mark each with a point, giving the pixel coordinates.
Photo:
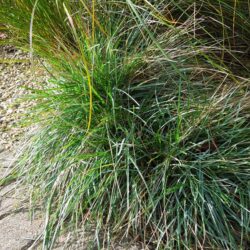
(143, 129)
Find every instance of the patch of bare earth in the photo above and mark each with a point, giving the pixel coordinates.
(18, 228)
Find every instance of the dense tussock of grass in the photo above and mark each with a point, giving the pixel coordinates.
(144, 129)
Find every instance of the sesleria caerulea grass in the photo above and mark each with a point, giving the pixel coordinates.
(143, 129)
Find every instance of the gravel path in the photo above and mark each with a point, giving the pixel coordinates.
(17, 229)
(16, 73)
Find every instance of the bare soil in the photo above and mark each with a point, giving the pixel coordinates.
(18, 227)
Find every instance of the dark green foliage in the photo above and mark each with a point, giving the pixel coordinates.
(142, 130)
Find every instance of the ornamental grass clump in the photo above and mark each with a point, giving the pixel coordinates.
(143, 130)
